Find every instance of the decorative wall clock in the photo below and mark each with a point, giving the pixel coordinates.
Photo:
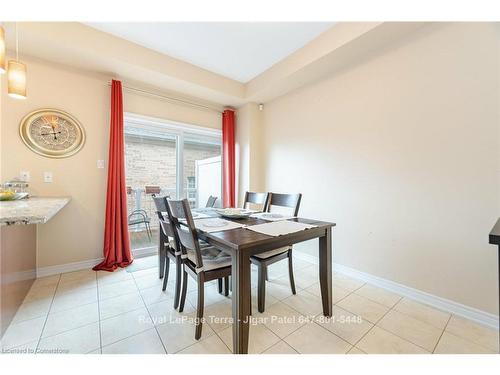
(52, 133)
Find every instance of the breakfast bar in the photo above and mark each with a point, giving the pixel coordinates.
(18, 225)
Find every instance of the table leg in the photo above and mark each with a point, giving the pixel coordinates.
(325, 271)
(240, 274)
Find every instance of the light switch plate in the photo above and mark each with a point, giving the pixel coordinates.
(47, 177)
(100, 164)
(24, 176)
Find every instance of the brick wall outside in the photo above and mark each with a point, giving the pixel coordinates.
(152, 162)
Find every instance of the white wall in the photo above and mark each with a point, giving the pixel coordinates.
(76, 233)
(402, 152)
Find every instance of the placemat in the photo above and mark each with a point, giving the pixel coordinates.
(280, 228)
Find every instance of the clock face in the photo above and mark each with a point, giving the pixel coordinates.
(52, 133)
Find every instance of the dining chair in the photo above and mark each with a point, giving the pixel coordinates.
(203, 264)
(211, 201)
(167, 248)
(137, 217)
(255, 198)
(161, 208)
(290, 202)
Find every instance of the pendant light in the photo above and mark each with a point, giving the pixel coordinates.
(16, 75)
(2, 50)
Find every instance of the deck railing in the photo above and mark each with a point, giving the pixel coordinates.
(137, 199)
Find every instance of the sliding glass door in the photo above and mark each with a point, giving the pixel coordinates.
(166, 158)
(201, 168)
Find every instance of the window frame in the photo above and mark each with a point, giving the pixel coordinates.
(178, 130)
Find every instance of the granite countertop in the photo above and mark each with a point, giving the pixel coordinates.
(34, 210)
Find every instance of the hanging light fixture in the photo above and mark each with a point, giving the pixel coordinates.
(2, 50)
(16, 75)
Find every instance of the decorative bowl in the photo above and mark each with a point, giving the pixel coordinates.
(234, 213)
(11, 196)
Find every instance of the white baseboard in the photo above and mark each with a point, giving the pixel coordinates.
(86, 264)
(444, 304)
(68, 267)
(440, 303)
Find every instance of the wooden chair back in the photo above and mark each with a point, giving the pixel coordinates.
(165, 222)
(291, 201)
(182, 220)
(256, 198)
(211, 201)
(161, 205)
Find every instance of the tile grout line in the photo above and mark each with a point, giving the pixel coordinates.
(220, 338)
(442, 333)
(215, 332)
(150, 317)
(471, 342)
(47, 316)
(98, 312)
(278, 300)
(335, 304)
(421, 321)
(309, 320)
(298, 312)
(374, 324)
(373, 300)
(59, 312)
(397, 335)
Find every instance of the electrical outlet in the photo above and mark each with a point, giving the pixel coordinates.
(100, 164)
(47, 177)
(24, 176)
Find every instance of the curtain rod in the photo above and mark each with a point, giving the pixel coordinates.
(170, 98)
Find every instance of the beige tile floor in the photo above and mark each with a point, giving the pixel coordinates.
(122, 312)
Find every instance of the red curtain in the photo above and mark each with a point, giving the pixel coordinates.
(116, 239)
(228, 169)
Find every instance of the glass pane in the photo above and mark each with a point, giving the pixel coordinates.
(202, 169)
(150, 168)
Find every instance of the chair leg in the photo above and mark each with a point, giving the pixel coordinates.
(250, 303)
(261, 288)
(177, 283)
(219, 285)
(183, 292)
(161, 256)
(290, 271)
(226, 286)
(165, 277)
(148, 230)
(199, 307)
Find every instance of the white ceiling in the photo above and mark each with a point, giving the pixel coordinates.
(239, 50)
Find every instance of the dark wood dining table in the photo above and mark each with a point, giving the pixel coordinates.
(241, 243)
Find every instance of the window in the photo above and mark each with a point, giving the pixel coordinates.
(191, 190)
(178, 160)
